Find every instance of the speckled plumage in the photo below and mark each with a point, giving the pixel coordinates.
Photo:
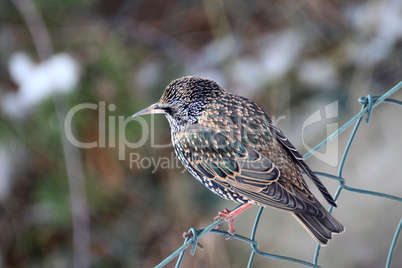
(232, 146)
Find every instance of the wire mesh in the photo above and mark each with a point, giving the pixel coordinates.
(368, 104)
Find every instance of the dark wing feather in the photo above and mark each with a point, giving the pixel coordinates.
(240, 169)
(300, 160)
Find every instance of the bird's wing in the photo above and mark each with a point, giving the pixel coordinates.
(244, 171)
(300, 160)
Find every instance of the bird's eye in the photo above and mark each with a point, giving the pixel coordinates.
(168, 110)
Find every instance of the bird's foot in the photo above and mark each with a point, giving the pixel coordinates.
(229, 217)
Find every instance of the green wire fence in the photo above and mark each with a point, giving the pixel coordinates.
(368, 104)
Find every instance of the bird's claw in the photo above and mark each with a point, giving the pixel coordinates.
(223, 215)
(230, 237)
(227, 216)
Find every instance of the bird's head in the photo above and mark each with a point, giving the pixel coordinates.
(184, 100)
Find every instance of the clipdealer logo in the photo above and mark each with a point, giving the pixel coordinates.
(108, 137)
(326, 115)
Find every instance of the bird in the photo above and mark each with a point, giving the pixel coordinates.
(230, 145)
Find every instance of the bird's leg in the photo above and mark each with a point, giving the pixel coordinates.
(229, 216)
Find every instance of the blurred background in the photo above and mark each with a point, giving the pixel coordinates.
(80, 69)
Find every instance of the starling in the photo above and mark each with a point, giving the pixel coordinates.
(233, 147)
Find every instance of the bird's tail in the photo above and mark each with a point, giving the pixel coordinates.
(320, 228)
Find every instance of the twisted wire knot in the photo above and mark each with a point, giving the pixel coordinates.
(192, 233)
(367, 101)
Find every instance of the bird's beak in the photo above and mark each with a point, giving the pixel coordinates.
(153, 109)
